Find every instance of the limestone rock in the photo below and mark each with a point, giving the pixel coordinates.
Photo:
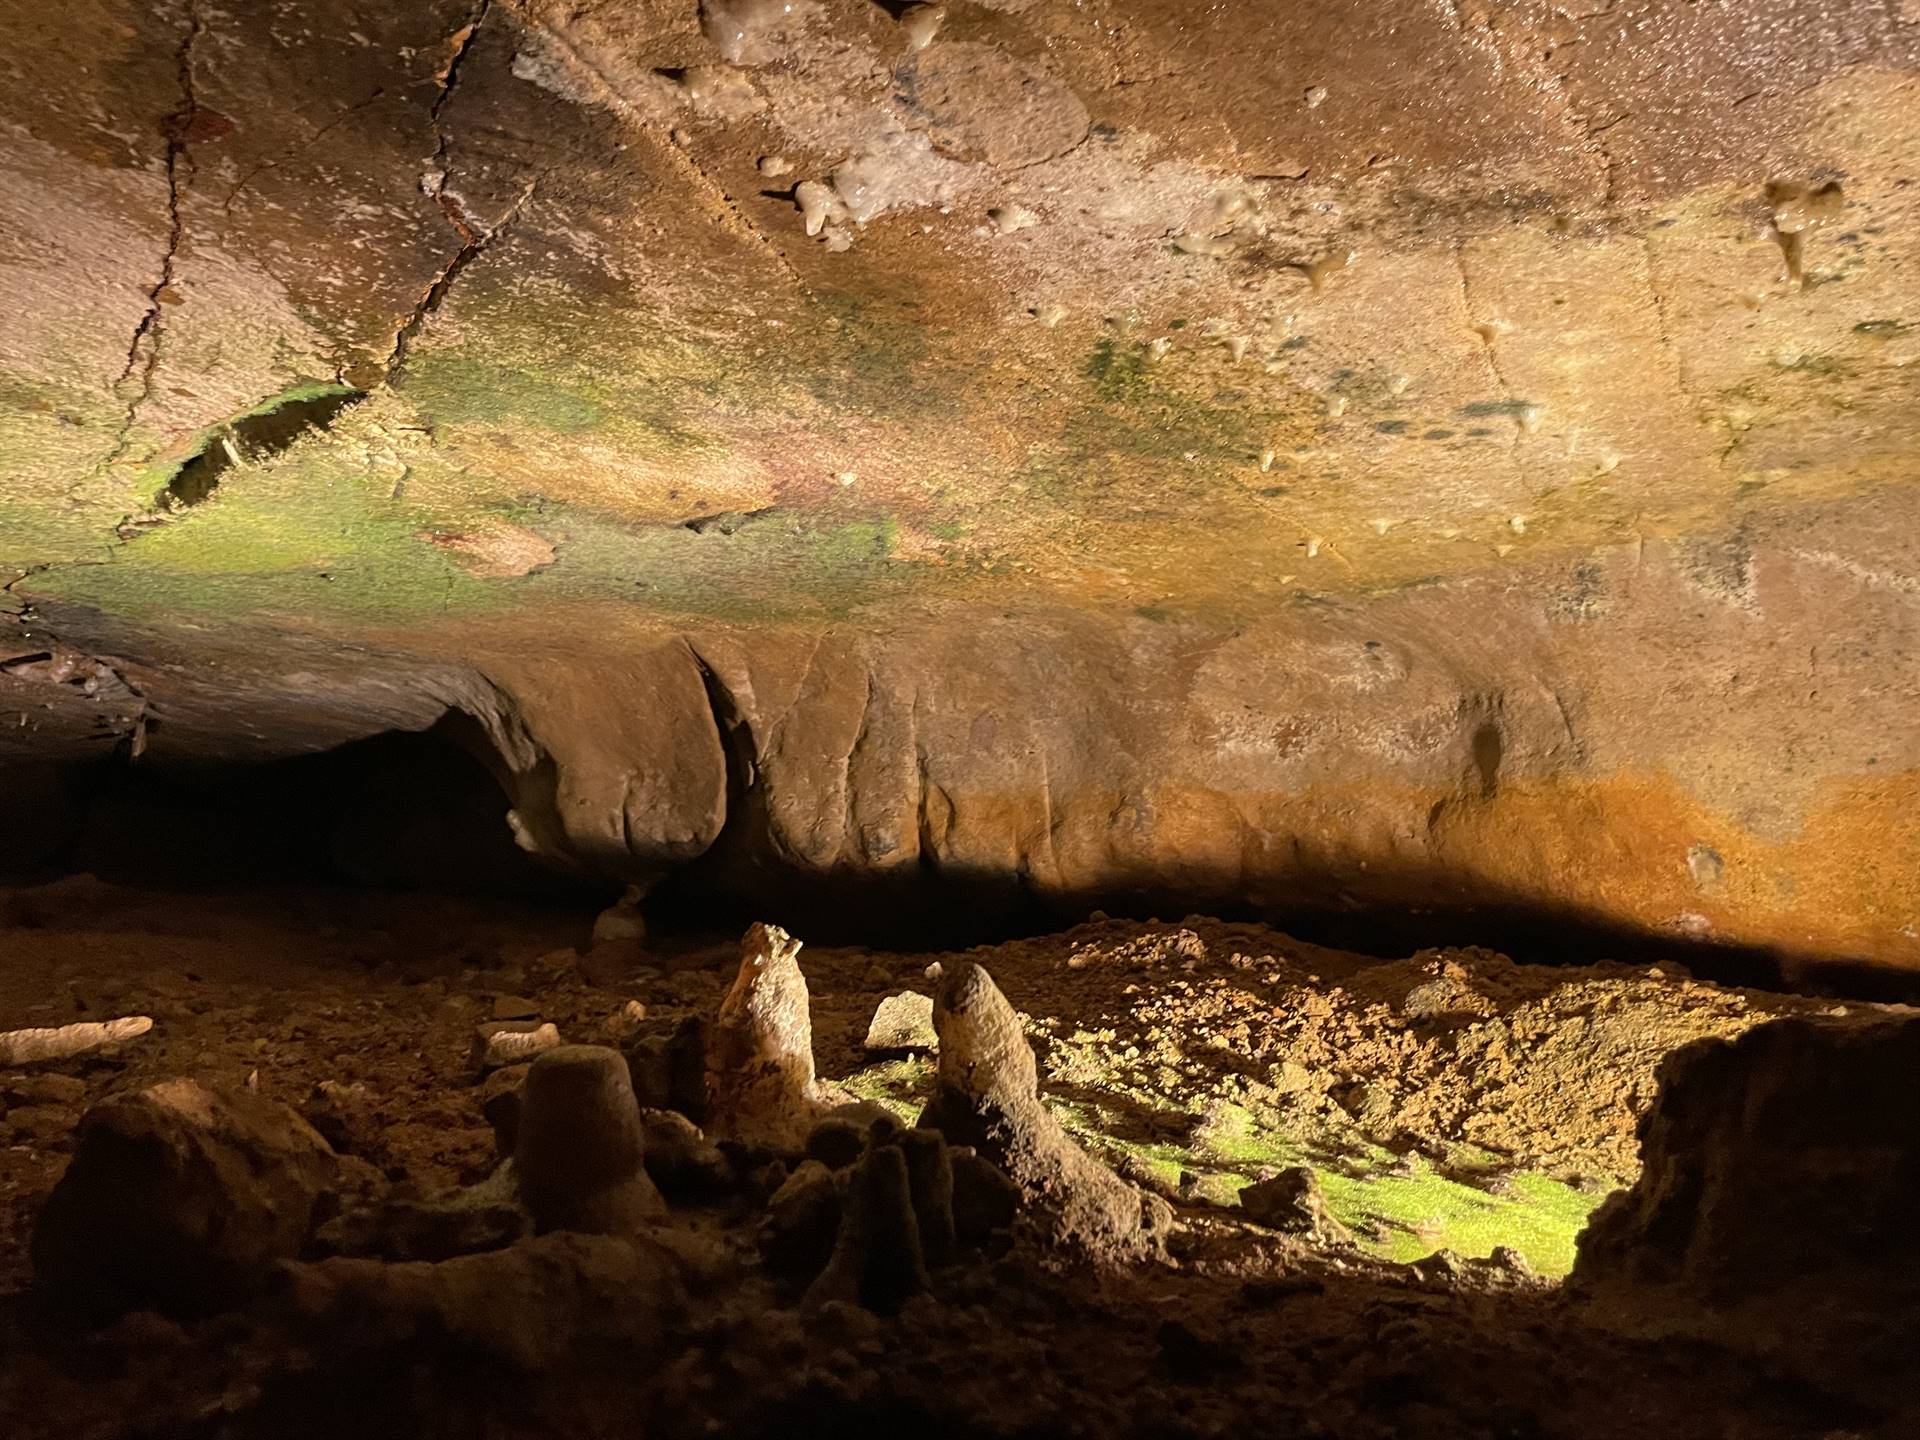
(486, 1216)
(579, 1157)
(930, 1183)
(622, 920)
(1774, 1210)
(179, 1197)
(902, 1022)
(985, 1201)
(531, 1305)
(760, 1081)
(837, 1141)
(512, 1042)
(877, 1257)
(64, 1042)
(1293, 1203)
(987, 1096)
(669, 1071)
(682, 1161)
(343, 1115)
(803, 1218)
(500, 1098)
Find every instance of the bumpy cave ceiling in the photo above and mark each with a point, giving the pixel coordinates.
(1391, 452)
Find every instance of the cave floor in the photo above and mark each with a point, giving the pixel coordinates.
(1450, 1102)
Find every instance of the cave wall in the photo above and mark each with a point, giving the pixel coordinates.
(1367, 453)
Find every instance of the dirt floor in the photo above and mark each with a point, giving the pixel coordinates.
(1451, 1102)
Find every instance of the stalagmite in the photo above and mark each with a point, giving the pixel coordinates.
(760, 1082)
(579, 1154)
(987, 1095)
(877, 1259)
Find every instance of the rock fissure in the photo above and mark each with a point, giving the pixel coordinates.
(436, 293)
(143, 349)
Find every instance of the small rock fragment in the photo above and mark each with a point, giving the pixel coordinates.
(63, 1042)
(580, 1151)
(1293, 1203)
(921, 23)
(902, 1022)
(512, 1042)
(515, 1007)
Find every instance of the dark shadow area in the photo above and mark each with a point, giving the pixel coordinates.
(946, 908)
(252, 437)
(415, 810)
(401, 810)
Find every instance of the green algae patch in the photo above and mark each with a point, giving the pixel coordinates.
(302, 535)
(1399, 1208)
(453, 389)
(1412, 1210)
(765, 566)
(900, 1087)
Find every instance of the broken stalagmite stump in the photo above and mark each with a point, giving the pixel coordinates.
(760, 1082)
(580, 1150)
(64, 1042)
(987, 1095)
(179, 1197)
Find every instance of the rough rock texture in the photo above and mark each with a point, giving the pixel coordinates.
(987, 1096)
(760, 1083)
(1775, 1209)
(1444, 450)
(528, 1305)
(902, 1022)
(580, 1149)
(1292, 1202)
(178, 1198)
(877, 1259)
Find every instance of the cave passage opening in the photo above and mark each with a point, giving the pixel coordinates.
(420, 810)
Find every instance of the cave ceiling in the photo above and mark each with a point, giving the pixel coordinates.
(1324, 384)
